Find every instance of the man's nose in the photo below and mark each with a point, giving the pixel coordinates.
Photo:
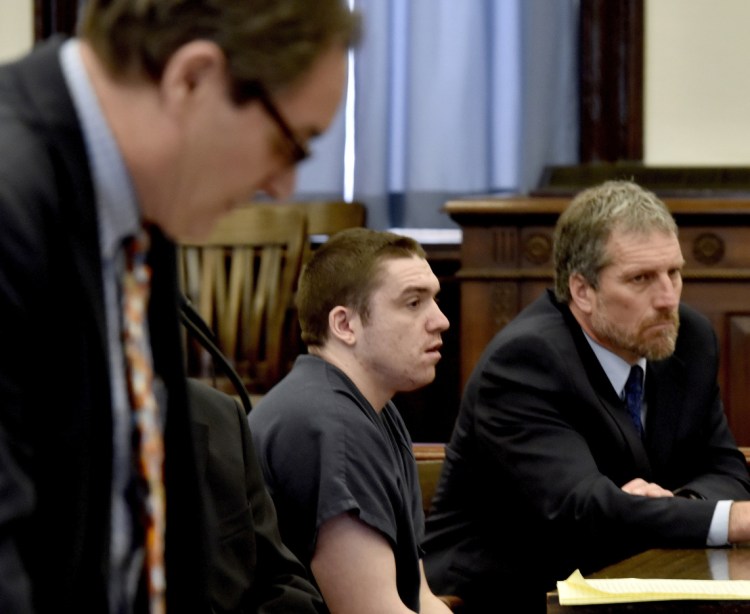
(669, 288)
(438, 321)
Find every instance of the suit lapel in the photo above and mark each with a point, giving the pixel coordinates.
(665, 396)
(51, 111)
(612, 407)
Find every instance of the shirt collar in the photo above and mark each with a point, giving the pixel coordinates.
(616, 368)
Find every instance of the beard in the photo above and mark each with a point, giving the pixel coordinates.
(641, 342)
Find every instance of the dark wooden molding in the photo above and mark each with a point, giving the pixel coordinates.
(725, 181)
(611, 80)
(54, 17)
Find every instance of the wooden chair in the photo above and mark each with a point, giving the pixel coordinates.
(241, 279)
(329, 217)
(325, 218)
(430, 457)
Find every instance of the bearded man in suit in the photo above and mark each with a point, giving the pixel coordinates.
(547, 470)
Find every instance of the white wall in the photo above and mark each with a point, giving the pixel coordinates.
(16, 27)
(697, 82)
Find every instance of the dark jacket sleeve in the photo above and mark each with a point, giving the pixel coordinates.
(254, 571)
(690, 441)
(553, 426)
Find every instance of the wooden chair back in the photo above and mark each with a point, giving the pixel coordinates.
(329, 217)
(429, 457)
(325, 218)
(241, 279)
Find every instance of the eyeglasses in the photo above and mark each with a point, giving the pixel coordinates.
(299, 150)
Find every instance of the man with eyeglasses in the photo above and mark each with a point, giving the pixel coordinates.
(158, 118)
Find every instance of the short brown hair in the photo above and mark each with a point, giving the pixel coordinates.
(345, 271)
(267, 43)
(582, 232)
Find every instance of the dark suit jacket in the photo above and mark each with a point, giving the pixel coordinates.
(254, 571)
(55, 410)
(531, 482)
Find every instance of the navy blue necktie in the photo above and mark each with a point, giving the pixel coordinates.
(633, 394)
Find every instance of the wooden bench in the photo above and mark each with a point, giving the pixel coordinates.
(429, 457)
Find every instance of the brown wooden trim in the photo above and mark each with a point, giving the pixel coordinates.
(684, 208)
(611, 80)
(429, 451)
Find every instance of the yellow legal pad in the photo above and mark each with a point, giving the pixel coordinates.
(576, 590)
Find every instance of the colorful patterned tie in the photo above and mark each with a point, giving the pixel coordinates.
(633, 394)
(148, 433)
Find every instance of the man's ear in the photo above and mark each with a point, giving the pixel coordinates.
(341, 324)
(581, 293)
(195, 65)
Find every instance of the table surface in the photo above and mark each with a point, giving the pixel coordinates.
(700, 564)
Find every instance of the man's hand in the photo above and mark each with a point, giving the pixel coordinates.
(641, 487)
(739, 522)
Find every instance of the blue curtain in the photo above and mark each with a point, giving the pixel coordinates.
(450, 98)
